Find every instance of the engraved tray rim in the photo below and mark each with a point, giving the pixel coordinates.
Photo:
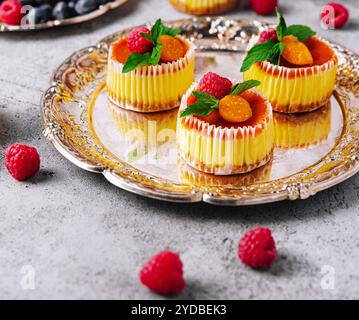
(343, 159)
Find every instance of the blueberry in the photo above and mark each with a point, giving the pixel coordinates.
(71, 5)
(41, 2)
(85, 6)
(102, 2)
(32, 3)
(61, 11)
(41, 14)
(46, 10)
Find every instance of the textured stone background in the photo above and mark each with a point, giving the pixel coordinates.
(87, 239)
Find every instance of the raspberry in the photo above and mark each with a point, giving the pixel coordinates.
(163, 274)
(334, 14)
(22, 161)
(266, 35)
(215, 85)
(257, 248)
(10, 12)
(263, 7)
(137, 43)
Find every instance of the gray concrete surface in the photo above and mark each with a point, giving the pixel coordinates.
(85, 238)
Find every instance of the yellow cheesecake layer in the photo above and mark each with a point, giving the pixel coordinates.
(302, 130)
(203, 7)
(293, 90)
(150, 88)
(225, 150)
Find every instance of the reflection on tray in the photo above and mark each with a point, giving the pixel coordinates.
(150, 136)
(189, 175)
(302, 130)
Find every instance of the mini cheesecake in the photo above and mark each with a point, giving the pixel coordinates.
(149, 88)
(203, 7)
(213, 145)
(296, 69)
(302, 130)
(291, 88)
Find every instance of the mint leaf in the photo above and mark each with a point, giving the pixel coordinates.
(156, 54)
(156, 31)
(148, 37)
(299, 31)
(206, 98)
(276, 52)
(205, 104)
(259, 52)
(241, 87)
(160, 29)
(282, 26)
(136, 60)
(199, 108)
(170, 31)
(203, 95)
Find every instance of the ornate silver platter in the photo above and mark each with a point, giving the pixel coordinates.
(75, 20)
(137, 152)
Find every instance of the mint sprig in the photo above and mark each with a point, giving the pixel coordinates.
(136, 60)
(238, 88)
(259, 52)
(282, 25)
(206, 103)
(299, 31)
(272, 50)
(277, 51)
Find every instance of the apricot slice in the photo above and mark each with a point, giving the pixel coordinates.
(296, 52)
(235, 109)
(173, 48)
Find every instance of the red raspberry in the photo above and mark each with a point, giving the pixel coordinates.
(263, 7)
(163, 273)
(257, 248)
(334, 14)
(22, 161)
(10, 12)
(266, 35)
(215, 85)
(137, 43)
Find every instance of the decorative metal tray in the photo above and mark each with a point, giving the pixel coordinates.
(137, 152)
(75, 20)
